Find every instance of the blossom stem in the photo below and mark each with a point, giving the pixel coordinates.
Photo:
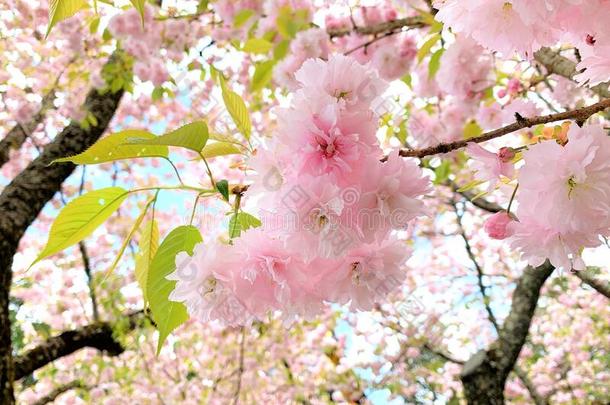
(512, 198)
(579, 115)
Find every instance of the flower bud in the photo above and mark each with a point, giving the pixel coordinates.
(506, 154)
(497, 226)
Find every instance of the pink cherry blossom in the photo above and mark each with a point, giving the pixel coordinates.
(206, 296)
(366, 275)
(489, 167)
(564, 193)
(474, 65)
(343, 79)
(497, 226)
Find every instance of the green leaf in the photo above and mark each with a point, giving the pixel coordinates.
(472, 130)
(191, 136)
(234, 226)
(241, 17)
(42, 328)
(223, 188)
(219, 149)
(80, 217)
(168, 315)
(470, 185)
(94, 25)
(242, 221)
(435, 63)
(289, 21)
(281, 49)
(442, 172)
(157, 93)
(59, 10)
(237, 108)
(427, 46)
(139, 5)
(148, 245)
(402, 132)
(203, 5)
(262, 75)
(257, 45)
(134, 228)
(114, 147)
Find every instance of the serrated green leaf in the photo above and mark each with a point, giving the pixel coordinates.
(427, 46)
(157, 93)
(481, 194)
(257, 45)
(113, 147)
(80, 217)
(94, 25)
(281, 49)
(168, 315)
(219, 149)
(139, 5)
(435, 63)
(242, 16)
(402, 132)
(223, 138)
(289, 22)
(470, 185)
(203, 5)
(234, 226)
(134, 229)
(442, 172)
(242, 221)
(191, 136)
(223, 188)
(42, 328)
(262, 75)
(237, 108)
(148, 245)
(59, 10)
(472, 130)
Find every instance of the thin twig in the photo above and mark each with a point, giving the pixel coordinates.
(240, 370)
(478, 268)
(580, 115)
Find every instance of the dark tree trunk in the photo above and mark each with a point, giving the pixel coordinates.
(484, 374)
(98, 335)
(23, 199)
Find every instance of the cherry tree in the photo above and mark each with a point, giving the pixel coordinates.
(300, 201)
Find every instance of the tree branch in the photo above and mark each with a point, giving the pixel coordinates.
(562, 66)
(484, 374)
(21, 131)
(479, 270)
(589, 277)
(88, 273)
(579, 115)
(480, 202)
(240, 368)
(442, 355)
(531, 388)
(25, 197)
(98, 335)
(53, 395)
(381, 28)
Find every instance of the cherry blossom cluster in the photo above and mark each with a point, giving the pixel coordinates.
(145, 41)
(525, 26)
(392, 56)
(563, 195)
(331, 205)
(564, 198)
(239, 16)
